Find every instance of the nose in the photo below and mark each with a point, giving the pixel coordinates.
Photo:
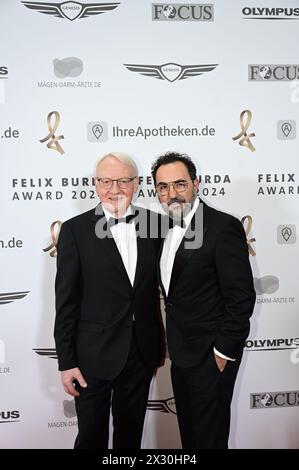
(114, 188)
(172, 191)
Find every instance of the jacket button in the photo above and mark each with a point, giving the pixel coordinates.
(168, 304)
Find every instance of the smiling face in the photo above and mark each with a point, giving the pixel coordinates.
(175, 202)
(115, 199)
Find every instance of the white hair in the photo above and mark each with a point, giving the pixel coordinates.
(122, 157)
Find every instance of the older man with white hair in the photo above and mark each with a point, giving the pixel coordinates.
(108, 329)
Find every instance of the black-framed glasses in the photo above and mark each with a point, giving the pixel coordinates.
(123, 183)
(179, 186)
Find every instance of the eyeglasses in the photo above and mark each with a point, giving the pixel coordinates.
(179, 186)
(123, 183)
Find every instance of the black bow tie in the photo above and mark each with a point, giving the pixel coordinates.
(126, 220)
(175, 222)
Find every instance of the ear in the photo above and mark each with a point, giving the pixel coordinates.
(196, 184)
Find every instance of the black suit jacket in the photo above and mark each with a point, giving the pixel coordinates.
(211, 294)
(95, 301)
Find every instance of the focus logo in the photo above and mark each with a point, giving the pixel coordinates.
(274, 399)
(9, 416)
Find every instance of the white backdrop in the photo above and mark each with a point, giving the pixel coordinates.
(76, 66)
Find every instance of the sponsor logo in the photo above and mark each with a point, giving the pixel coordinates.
(53, 140)
(9, 297)
(247, 224)
(271, 184)
(257, 13)
(269, 285)
(71, 10)
(10, 133)
(12, 243)
(3, 76)
(74, 188)
(286, 130)
(54, 238)
(69, 411)
(182, 12)
(171, 71)
(266, 284)
(9, 416)
(46, 352)
(69, 408)
(3, 72)
(68, 67)
(274, 344)
(274, 399)
(273, 72)
(162, 131)
(245, 120)
(164, 406)
(286, 234)
(97, 131)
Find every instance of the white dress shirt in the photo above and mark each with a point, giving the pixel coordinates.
(125, 238)
(171, 244)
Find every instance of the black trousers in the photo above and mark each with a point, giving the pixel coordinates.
(203, 397)
(127, 397)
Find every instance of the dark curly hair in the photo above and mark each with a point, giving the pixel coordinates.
(172, 157)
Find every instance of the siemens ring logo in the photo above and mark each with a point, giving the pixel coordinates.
(71, 10)
(274, 399)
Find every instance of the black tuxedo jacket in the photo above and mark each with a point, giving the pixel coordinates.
(211, 294)
(95, 301)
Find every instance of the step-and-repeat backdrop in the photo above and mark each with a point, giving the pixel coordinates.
(218, 81)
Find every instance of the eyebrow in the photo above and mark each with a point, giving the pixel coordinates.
(176, 181)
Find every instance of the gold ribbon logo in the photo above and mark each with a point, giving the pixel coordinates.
(247, 227)
(53, 140)
(245, 120)
(54, 238)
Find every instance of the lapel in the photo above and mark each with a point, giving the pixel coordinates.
(111, 250)
(159, 270)
(141, 250)
(196, 229)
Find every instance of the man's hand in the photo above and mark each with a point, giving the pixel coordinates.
(67, 379)
(221, 363)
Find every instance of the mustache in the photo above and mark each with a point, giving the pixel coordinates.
(175, 200)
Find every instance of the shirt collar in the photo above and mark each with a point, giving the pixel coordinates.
(108, 213)
(188, 217)
(190, 214)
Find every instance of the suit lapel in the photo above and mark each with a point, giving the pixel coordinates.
(109, 246)
(159, 270)
(143, 217)
(191, 242)
(141, 252)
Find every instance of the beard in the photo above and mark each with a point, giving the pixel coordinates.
(177, 207)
